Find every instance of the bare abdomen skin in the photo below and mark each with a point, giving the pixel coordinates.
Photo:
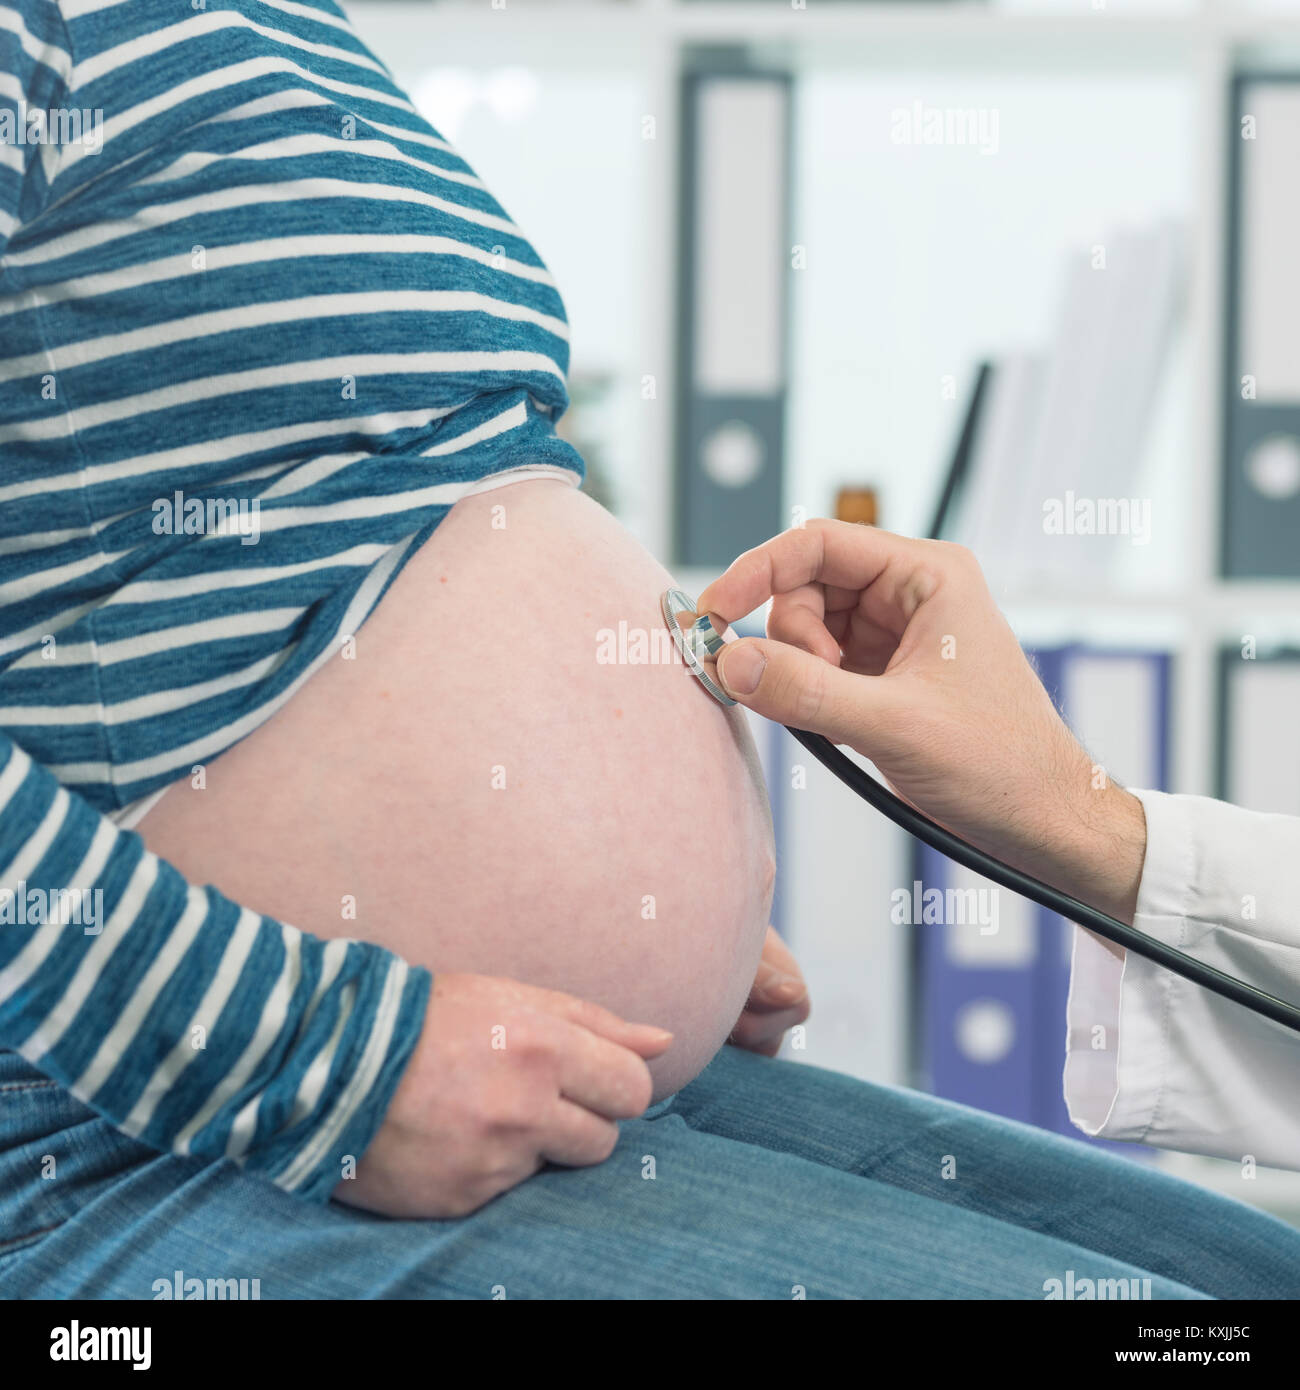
(485, 790)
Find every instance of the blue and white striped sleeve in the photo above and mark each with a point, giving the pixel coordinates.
(35, 63)
(189, 1022)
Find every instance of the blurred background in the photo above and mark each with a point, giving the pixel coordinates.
(1021, 273)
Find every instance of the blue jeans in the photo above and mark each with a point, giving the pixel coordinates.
(759, 1180)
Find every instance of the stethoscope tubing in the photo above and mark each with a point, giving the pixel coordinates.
(938, 838)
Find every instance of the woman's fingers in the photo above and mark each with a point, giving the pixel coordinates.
(763, 1032)
(601, 1076)
(779, 983)
(577, 1138)
(779, 979)
(777, 1001)
(504, 1075)
(643, 1038)
(775, 989)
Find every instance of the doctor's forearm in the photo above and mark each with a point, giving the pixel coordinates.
(1106, 860)
(1088, 841)
(1091, 845)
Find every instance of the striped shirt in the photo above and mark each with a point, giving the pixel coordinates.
(260, 328)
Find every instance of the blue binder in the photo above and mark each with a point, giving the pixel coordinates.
(980, 1017)
(992, 1020)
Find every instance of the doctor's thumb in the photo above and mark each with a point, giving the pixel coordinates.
(794, 687)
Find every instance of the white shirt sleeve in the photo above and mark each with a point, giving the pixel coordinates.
(1155, 1059)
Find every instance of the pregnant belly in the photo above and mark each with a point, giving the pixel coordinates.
(484, 784)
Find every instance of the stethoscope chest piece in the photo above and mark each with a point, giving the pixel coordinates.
(699, 642)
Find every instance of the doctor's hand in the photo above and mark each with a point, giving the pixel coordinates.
(896, 648)
(777, 1001)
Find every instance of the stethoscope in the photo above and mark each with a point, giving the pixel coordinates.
(699, 643)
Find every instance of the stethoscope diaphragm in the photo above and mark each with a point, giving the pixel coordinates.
(699, 642)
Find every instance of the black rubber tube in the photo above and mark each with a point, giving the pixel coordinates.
(903, 815)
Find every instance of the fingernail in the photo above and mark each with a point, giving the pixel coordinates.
(741, 668)
(660, 1034)
(783, 987)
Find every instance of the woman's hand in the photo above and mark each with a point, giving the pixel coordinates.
(778, 1000)
(896, 648)
(505, 1077)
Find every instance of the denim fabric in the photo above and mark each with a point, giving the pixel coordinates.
(761, 1179)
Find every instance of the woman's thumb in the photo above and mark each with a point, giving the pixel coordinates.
(794, 687)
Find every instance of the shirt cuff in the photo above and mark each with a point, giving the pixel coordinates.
(1117, 1018)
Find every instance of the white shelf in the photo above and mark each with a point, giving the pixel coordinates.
(1220, 602)
(832, 32)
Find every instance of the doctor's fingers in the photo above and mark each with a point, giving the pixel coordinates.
(892, 575)
(843, 636)
(800, 619)
(793, 687)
